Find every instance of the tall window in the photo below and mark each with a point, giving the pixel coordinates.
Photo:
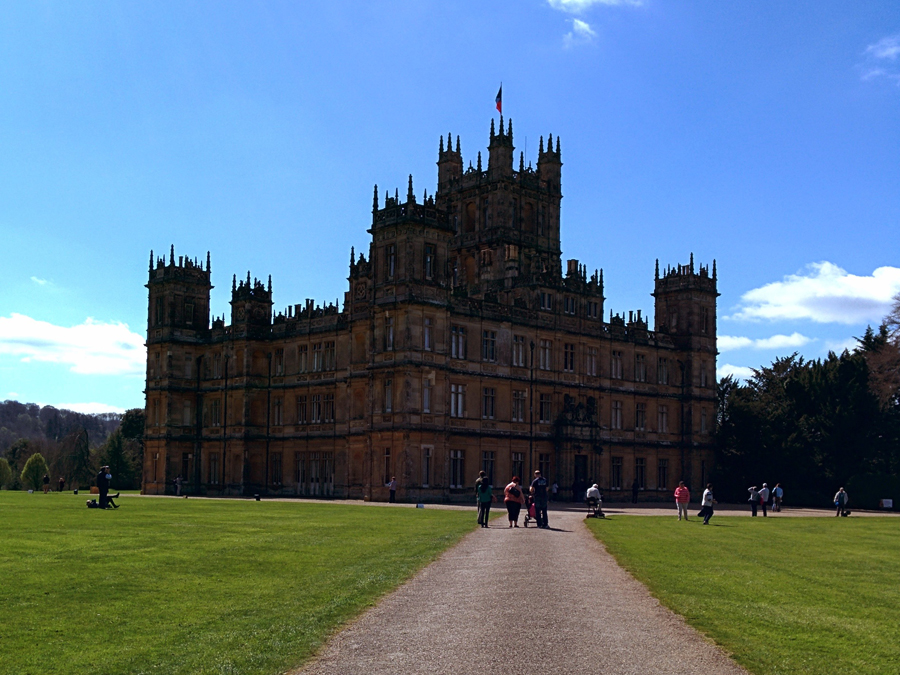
(615, 370)
(546, 301)
(214, 468)
(518, 464)
(704, 319)
(488, 398)
(188, 361)
(330, 356)
(662, 371)
(640, 472)
(217, 365)
(427, 453)
(615, 473)
(216, 414)
(189, 313)
(489, 345)
(457, 469)
(545, 411)
(155, 413)
(328, 407)
(457, 400)
(663, 419)
(279, 362)
(616, 419)
(303, 358)
(703, 421)
(429, 261)
(159, 311)
(387, 465)
(640, 416)
(426, 396)
(487, 464)
(427, 329)
(388, 395)
(390, 261)
(702, 374)
(544, 464)
(388, 333)
(316, 412)
(318, 359)
(458, 342)
(593, 309)
(662, 474)
(276, 468)
(569, 358)
(546, 355)
(569, 305)
(640, 368)
(186, 414)
(276, 412)
(518, 406)
(301, 410)
(591, 361)
(518, 350)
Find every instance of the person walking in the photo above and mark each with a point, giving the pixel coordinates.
(539, 493)
(707, 503)
(764, 498)
(682, 498)
(777, 494)
(554, 491)
(635, 488)
(841, 499)
(485, 497)
(754, 499)
(178, 485)
(62, 483)
(392, 487)
(514, 499)
(46, 483)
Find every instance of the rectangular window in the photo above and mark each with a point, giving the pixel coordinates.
(518, 350)
(663, 419)
(387, 466)
(303, 358)
(662, 474)
(458, 342)
(703, 421)
(489, 345)
(276, 412)
(591, 361)
(640, 472)
(488, 397)
(427, 453)
(615, 473)
(640, 416)
(457, 400)
(518, 406)
(318, 357)
(189, 313)
(426, 396)
(301, 410)
(593, 309)
(155, 413)
(544, 464)
(427, 329)
(616, 419)
(279, 362)
(299, 468)
(276, 468)
(704, 319)
(546, 301)
(615, 371)
(702, 375)
(188, 361)
(388, 333)
(429, 261)
(316, 412)
(388, 396)
(487, 464)
(457, 469)
(544, 410)
(330, 356)
(662, 371)
(518, 464)
(569, 358)
(214, 468)
(217, 366)
(569, 305)
(328, 408)
(159, 311)
(390, 261)
(216, 414)
(546, 355)
(640, 368)
(186, 414)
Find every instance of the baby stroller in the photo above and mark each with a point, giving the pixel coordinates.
(530, 514)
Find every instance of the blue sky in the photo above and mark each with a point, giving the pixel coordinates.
(764, 135)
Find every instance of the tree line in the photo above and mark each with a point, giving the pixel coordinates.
(815, 426)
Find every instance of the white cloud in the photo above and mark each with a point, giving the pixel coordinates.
(579, 6)
(880, 59)
(728, 343)
(39, 281)
(738, 372)
(90, 408)
(823, 293)
(581, 33)
(885, 48)
(91, 348)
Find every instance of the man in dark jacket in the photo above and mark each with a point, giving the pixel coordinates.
(103, 485)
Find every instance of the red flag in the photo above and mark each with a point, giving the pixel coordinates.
(500, 99)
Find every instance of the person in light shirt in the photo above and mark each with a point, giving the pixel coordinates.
(682, 498)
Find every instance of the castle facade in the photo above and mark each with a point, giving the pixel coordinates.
(462, 345)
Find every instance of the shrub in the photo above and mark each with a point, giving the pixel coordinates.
(33, 473)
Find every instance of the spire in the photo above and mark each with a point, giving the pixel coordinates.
(492, 128)
(270, 284)
(714, 269)
(692, 262)
(375, 199)
(397, 195)
(541, 147)
(657, 268)
(557, 144)
(248, 278)
(509, 133)
(208, 266)
(172, 255)
(457, 143)
(352, 255)
(550, 143)
(410, 197)
(479, 160)
(449, 142)
(521, 161)
(501, 125)
(151, 259)
(441, 147)
(233, 283)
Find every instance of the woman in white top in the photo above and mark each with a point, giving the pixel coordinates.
(707, 504)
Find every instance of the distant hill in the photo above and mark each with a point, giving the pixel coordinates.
(36, 423)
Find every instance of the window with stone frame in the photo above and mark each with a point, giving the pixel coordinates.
(488, 402)
(640, 368)
(591, 361)
(662, 371)
(640, 416)
(429, 261)
(427, 334)
(489, 345)
(518, 350)
(546, 355)
(663, 419)
(518, 405)
(545, 408)
(303, 358)
(615, 370)
(301, 410)
(458, 342)
(457, 400)
(569, 358)
(615, 421)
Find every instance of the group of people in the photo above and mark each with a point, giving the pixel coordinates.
(683, 499)
(514, 498)
(761, 498)
(61, 483)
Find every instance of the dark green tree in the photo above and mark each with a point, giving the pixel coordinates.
(5, 472)
(77, 463)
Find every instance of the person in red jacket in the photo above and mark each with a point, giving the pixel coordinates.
(682, 497)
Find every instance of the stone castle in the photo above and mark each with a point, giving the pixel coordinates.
(462, 345)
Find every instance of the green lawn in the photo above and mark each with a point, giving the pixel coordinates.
(784, 595)
(196, 586)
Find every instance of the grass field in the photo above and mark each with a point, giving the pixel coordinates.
(784, 595)
(196, 586)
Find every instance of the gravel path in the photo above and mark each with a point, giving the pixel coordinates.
(565, 606)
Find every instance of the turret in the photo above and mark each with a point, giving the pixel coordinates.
(500, 158)
(178, 298)
(450, 164)
(251, 303)
(550, 165)
(686, 305)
